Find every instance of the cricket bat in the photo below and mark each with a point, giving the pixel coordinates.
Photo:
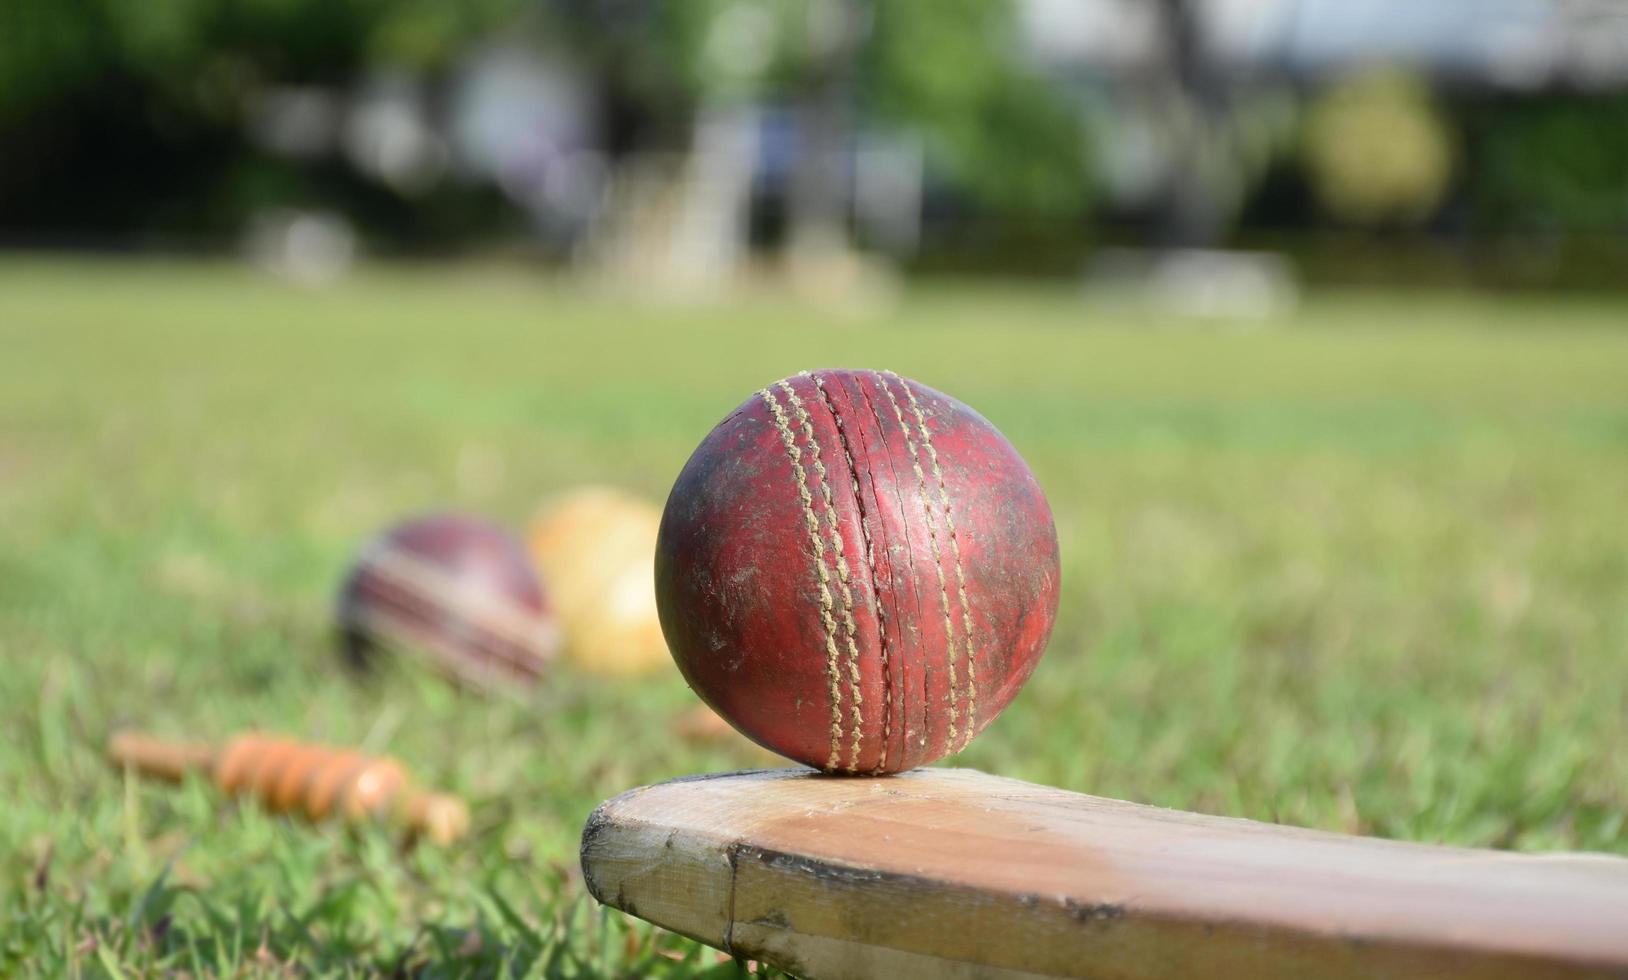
(955, 873)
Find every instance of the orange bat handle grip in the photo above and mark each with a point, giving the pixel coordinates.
(289, 776)
(162, 760)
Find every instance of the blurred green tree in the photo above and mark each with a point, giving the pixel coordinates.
(164, 85)
(125, 119)
(950, 68)
(51, 52)
(1554, 164)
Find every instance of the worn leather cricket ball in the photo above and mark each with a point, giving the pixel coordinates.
(857, 571)
(456, 591)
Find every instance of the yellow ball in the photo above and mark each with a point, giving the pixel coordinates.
(595, 548)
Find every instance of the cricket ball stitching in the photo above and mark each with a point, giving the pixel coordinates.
(428, 590)
(960, 574)
(823, 577)
(425, 580)
(866, 395)
(938, 560)
(851, 631)
(870, 564)
(491, 667)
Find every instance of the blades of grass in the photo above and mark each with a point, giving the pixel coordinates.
(155, 892)
(508, 914)
(109, 962)
(534, 943)
(304, 935)
(604, 942)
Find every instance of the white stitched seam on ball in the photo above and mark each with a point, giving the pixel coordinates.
(822, 577)
(400, 634)
(960, 575)
(932, 537)
(856, 718)
(430, 586)
(870, 563)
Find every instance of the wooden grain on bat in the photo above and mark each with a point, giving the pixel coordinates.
(948, 872)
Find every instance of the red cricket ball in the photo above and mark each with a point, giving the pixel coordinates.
(455, 590)
(857, 571)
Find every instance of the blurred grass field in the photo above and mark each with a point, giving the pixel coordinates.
(1364, 570)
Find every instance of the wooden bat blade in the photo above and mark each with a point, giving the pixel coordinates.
(946, 872)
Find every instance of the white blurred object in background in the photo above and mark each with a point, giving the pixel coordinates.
(389, 136)
(310, 248)
(1201, 283)
(528, 123)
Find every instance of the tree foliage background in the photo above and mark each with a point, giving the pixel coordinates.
(127, 116)
(124, 122)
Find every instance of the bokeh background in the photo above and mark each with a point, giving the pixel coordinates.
(1309, 316)
(1451, 142)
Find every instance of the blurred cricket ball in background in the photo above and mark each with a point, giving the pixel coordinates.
(857, 571)
(456, 591)
(595, 547)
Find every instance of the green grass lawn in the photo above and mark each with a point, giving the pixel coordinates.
(1364, 570)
